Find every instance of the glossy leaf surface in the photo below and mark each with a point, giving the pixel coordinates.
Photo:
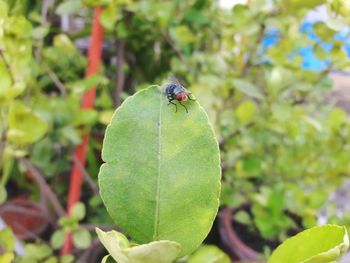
(161, 179)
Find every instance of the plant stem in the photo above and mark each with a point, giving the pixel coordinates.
(36, 174)
(8, 66)
(56, 80)
(120, 71)
(87, 177)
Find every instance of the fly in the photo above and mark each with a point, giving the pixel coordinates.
(175, 91)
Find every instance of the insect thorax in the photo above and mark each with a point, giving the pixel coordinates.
(173, 89)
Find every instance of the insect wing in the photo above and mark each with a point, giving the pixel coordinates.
(173, 80)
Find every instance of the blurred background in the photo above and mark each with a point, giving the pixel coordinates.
(271, 74)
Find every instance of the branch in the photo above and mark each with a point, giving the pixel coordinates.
(257, 44)
(120, 71)
(2, 144)
(177, 50)
(91, 254)
(87, 177)
(8, 66)
(56, 80)
(223, 141)
(45, 188)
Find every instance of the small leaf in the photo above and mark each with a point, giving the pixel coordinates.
(163, 251)
(25, 126)
(57, 239)
(78, 210)
(67, 258)
(3, 9)
(3, 194)
(245, 112)
(107, 259)
(7, 257)
(209, 254)
(7, 242)
(69, 7)
(37, 252)
(247, 88)
(336, 118)
(242, 217)
(109, 17)
(321, 244)
(81, 238)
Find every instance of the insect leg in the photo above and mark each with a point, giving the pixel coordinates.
(171, 102)
(183, 106)
(190, 96)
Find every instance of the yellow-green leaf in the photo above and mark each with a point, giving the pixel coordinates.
(321, 244)
(118, 246)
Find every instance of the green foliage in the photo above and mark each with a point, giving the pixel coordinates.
(209, 254)
(7, 245)
(70, 224)
(282, 149)
(120, 249)
(322, 244)
(24, 126)
(174, 157)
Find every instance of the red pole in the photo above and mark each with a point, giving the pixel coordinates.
(76, 177)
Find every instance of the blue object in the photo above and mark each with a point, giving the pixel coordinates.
(309, 59)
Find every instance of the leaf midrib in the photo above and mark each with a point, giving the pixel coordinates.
(156, 215)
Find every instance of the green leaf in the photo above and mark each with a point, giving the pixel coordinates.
(7, 242)
(37, 252)
(57, 239)
(107, 259)
(67, 258)
(69, 7)
(321, 244)
(242, 217)
(336, 118)
(118, 246)
(81, 238)
(109, 17)
(245, 112)
(25, 126)
(7, 257)
(3, 194)
(161, 179)
(247, 88)
(79, 210)
(209, 254)
(96, 3)
(3, 9)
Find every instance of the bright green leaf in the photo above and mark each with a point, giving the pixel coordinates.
(336, 118)
(242, 217)
(245, 112)
(25, 126)
(247, 88)
(7, 257)
(118, 246)
(7, 242)
(57, 239)
(209, 254)
(109, 17)
(69, 7)
(67, 258)
(82, 238)
(161, 179)
(321, 244)
(78, 210)
(3, 9)
(37, 252)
